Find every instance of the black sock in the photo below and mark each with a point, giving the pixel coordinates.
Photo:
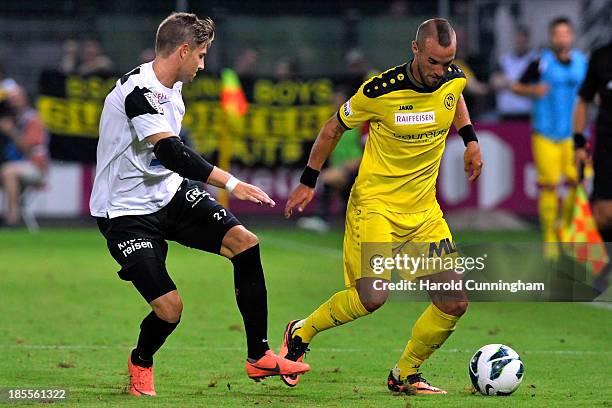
(153, 333)
(252, 300)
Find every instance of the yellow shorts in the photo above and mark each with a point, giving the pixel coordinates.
(374, 234)
(554, 160)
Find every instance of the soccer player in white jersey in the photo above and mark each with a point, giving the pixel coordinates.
(149, 188)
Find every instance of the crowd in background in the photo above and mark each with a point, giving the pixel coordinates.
(23, 138)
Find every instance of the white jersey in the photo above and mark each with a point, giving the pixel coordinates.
(129, 179)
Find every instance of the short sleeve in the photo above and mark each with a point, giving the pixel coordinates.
(358, 109)
(531, 74)
(146, 113)
(589, 86)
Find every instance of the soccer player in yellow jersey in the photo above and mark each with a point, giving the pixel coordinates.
(410, 109)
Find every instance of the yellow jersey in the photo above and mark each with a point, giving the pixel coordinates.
(408, 128)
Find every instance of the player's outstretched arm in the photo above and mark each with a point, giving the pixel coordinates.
(326, 141)
(239, 189)
(175, 156)
(472, 161)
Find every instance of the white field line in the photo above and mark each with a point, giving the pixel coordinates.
(241, 349)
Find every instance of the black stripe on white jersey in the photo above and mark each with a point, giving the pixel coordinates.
(141, 101)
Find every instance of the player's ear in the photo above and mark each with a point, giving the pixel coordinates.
(184, 50)
(415, 48)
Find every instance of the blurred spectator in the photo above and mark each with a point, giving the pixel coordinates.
(25, 153)
(474, 86)
(92, 59)
(476, 91)
(286, 69)
(510, 66)
(552, 81)
(356, 63)
(147, 55)
(245, 63)
(338, 178)
(398, 8)
(358, 69)
(70, 57)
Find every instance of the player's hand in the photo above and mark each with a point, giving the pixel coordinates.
(472, 162)
(540, 90)
(581, 156)
(299, 197)
(248, 192)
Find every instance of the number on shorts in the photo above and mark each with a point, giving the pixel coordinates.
(220, 214)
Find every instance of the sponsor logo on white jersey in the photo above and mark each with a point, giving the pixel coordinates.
(416, 118)
(154, 102)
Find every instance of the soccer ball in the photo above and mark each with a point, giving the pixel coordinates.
(496, 369)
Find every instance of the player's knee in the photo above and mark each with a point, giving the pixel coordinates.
(372, 301)
(370, 297)
(372, 305)
(454, 308)
(170, 308)
(239, 240)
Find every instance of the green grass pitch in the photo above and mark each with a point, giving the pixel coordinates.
(67, 320)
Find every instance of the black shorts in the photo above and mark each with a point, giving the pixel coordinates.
(192, 218)
(602, 166)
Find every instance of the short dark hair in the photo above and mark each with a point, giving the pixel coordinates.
(559, 20)
(181, 28)
(438, 28)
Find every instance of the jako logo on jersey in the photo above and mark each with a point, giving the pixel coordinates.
(133, 245)
(195, 195)
(445, 246)
(154, 102)
(417, 118)
(406, 107)
(346, 109)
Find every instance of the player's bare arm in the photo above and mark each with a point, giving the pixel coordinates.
(530, 90)
(324, 145)
(472, 161)
(581, 113)
(175, 156)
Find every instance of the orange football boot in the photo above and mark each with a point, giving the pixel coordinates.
(141, 380)
(293, 349)
(412, 385)
(271, 364)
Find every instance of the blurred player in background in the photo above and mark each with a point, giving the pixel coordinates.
(149, 188)
(598, 82)
(552, 81)
(25, 152)
(510, 66)
(410, 109)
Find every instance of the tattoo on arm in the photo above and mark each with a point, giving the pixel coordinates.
(338, 131)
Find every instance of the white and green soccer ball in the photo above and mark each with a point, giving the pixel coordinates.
(496, 369)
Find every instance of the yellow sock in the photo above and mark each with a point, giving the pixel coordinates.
(341, 308)
(568, 205)
(547, 206)
(428, 333)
